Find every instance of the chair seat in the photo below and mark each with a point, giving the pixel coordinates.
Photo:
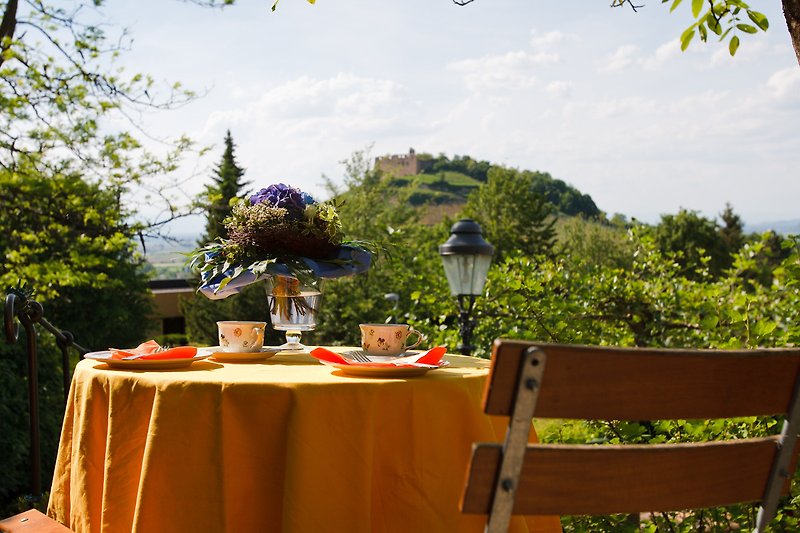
(32, 521)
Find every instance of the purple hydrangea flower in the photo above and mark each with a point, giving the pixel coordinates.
(258, 197)
(281, 195)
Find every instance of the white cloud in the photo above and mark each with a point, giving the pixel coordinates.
(664, 53)
(560, 88)
(512, 70)
(629, 55)
(785, 83)
(618, 107)
(622, 58)
(343, 93)
(749, 51)
(547, 40)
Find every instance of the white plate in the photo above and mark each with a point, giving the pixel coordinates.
(242, 357)
(377, 358)
(147, 364)
(374, 370)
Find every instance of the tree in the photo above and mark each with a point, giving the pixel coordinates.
(566, 198)
(60, 90)
(732, 231)
(728, 19)
(68, 240)
(226, 185)
(695, 240)
(513, 216)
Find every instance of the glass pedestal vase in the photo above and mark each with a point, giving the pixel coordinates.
(293, 308)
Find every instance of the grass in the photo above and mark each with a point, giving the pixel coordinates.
(448, 178)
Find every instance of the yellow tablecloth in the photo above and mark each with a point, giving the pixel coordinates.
(286, 444)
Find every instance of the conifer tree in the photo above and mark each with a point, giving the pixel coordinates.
(201, 314)
(732, 232)
(226, 184)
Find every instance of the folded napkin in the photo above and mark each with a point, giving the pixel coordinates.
(152, 350)
(429, 358)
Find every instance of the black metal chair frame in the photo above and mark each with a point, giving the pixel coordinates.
(28, 312)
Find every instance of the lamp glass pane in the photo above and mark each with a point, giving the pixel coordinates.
(466, 274)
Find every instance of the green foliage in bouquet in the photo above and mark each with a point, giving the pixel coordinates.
(278, 224)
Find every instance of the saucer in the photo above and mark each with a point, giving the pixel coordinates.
(242, 357)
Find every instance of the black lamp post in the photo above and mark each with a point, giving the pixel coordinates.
(466, 257)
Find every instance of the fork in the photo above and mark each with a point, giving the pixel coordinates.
(360, 357)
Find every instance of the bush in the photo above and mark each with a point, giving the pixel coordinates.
(15, 461)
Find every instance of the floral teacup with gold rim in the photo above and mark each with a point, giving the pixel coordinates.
(388, 339)
(241, 336)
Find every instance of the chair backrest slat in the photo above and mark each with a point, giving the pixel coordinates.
(565, 479)
(645, 384)
(611, 383)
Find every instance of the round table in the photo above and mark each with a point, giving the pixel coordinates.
(285, 444)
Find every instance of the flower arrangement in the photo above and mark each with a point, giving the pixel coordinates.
(278, 231)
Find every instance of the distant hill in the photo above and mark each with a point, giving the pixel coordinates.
(166, 257)
(784, 227)
(444, 181)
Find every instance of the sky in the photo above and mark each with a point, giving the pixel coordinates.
(600, 98)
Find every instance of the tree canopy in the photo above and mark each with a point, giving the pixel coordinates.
(62, 92)
(513, 215)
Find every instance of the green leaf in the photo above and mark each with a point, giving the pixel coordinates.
(686, 38)
(223, 283)
(734, 45)
(713, 24)
(709, 322)
(764, 327)
(759, 19)
(747, 28)
(697, 5)
(675, 4)
(703, 32)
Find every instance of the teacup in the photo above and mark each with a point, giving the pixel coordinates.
(241, 336)
(387, 339)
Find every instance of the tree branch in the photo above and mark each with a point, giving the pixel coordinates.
(620, 3)
(791, 11)
(7, 27)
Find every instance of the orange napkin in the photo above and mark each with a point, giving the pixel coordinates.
(147, 350)
(431, 357)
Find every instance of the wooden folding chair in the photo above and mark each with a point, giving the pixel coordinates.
(605, 383)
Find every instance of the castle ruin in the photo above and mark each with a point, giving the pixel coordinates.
(402, 165)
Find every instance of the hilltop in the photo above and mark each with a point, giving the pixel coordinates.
(444, 183)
